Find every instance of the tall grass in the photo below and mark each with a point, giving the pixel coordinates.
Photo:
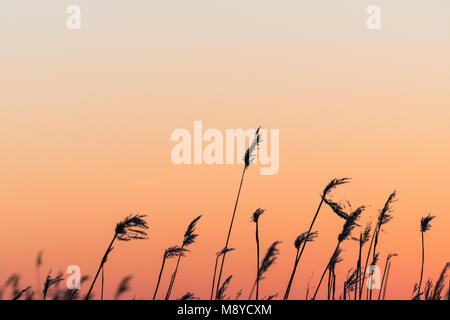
(255, 219)
(267, 262)
(131, 228)
(49, 282)
(383, 218)
(218, 255)
(171, 252)
(388, 262)
(424, 226)
(329, 187)
(248, 159)
(188, 239)
(363, 238)
(349, 225)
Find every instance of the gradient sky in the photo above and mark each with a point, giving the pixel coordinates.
(86, 118)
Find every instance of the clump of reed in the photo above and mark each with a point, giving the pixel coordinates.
(364, 236)
(384, 279)
(248, 159)
(348, 227)
(170, 252)
(188, 239)
(218, 255)
(383, 218)
(323, 198)
(133, 227)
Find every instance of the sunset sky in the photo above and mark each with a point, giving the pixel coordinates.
(86, 118)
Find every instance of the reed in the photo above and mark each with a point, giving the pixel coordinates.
(223, 288)
(49, 282)
(439, 285)
(188, 239)
(218, 255)
(328, 188)
(424, 227)
(123, 287)
(189, 296)
(255, 219)
(248, 159)
(349, 225)
(267, 262)
(130, 228)
(383, 218)
(363, 238)
(171, 252)
(388, 261)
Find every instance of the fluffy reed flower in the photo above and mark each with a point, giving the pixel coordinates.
(171, 252)
(269, 259)
(305, 237)
(249, 154)
(337, 208)
(132, 227)
(425, 223)
(333, 184)
(258, 212)
(49, 282)
(439, 285)
(189, 296)
(21, 293)
(188, 239)
(123, 287)
(350, 223)
(223, 288)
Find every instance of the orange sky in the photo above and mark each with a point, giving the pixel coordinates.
(86, 118)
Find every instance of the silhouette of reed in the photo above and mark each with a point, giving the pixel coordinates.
(130, 228)
(188, 239)
(50, 281)
(388, 262)
(267, 262)
(189, 296)
(218, 255)
(349, 225)
(248, 159)
(439, 285)
(255, 219)
(123, 287)
(21, 293)
(171, 252)
(424, 226)
(329, 187)
(363, 238)
(223, 288)
(383, 218)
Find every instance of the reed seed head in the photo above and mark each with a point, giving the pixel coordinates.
(257, 214)
(175, 251)
(425, 222)
(269, 259)
(333, 184)
(337, 208)
(132, 227)
(249, 154)
(304, 237)
(385, 213)
(350, 223)
(189, 235)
